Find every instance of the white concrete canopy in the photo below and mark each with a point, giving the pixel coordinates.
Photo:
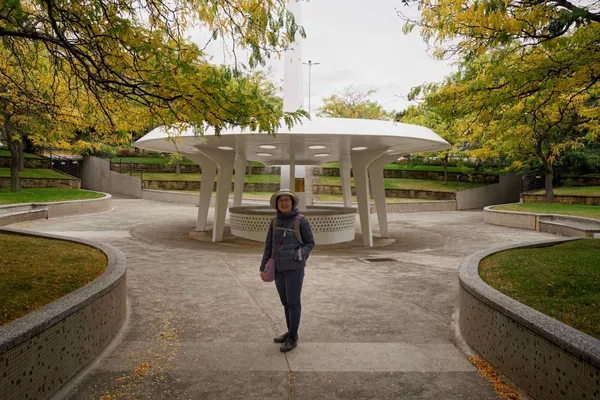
(338, 136)
(365, 145)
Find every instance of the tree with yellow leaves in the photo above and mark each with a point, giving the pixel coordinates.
(515, 103)
(530, 74)
(110, 57)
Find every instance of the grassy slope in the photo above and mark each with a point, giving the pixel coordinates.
(43, 195)
(37, 271)
(561, 281)
(6, 153)
(36, 173)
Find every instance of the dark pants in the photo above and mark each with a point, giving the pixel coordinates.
(289, 287)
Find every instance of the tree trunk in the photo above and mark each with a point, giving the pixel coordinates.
(21, 156)
(177, 168)
(249, 168)
(446, 169)
(549, 186)
(15, 182)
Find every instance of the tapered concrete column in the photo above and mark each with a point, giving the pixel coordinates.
(240, 174)
(224, 161)
(360, 163)
(209, 171)
(377, 187)
(345, 166)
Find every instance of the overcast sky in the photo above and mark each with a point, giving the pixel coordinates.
(358, 43)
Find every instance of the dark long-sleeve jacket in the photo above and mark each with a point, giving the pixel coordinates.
(287, 256)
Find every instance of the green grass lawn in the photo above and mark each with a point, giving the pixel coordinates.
(409, 167)
(36, 173)
(6, 153)
(36, 271)
(574, 191)
(554, 208)
(561, 281)
(43, 195)
(398, 183)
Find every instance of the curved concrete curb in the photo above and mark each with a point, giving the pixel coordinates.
(42, 350)
(560, 224)
(543, 356)
(15, 213)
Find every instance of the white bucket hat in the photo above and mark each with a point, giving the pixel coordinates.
(283, 192)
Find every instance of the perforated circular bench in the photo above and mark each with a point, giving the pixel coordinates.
(329, 224)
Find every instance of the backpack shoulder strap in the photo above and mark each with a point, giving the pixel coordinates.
(297, 222)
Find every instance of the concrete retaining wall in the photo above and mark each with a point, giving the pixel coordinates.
(28, 183)
(96, 175)
(513, 219)
(42, 350)
(540, 198)
(30, 214)
(171, 197)
(508, 190)
(546, 358)
(421, 206)
(566, 225)
(12, 214)
(77, 207)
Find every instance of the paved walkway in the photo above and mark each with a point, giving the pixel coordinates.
(201, 322)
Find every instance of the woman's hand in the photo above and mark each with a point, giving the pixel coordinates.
(262, 276)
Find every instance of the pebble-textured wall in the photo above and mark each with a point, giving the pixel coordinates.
(541, 368)
(41, 365)
(42, 350)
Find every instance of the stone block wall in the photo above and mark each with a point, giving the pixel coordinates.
(5, 162)
(411, 174)
(155, 168)
(195, 186)
(402, 193)
(28, 183)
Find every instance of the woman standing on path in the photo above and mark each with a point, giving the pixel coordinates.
(291, 238)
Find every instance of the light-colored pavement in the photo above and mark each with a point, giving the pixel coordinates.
(201, 322)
